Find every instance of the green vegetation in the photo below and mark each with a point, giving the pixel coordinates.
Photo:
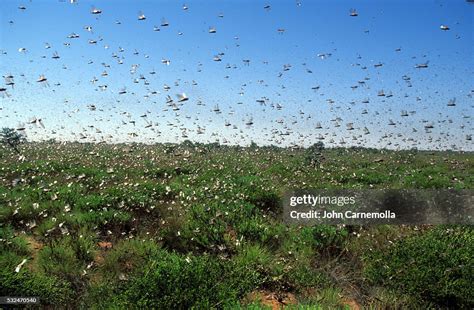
(436, 266)
(191, 225)
(313, 155)
(11, 138)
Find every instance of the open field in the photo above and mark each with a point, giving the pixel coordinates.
(199, 225)
(172, 155)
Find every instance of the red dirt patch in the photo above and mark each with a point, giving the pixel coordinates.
(273, 300)
(104, 245)
(351, 303)
(34, 244)
(35, 247)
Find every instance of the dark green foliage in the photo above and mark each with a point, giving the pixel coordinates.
(11, 138)
(328, 236)
(13, 249)
(59, 259)
(49, 289)
(128, 256)
(170, 281)
(258, 193)
(436, 266)
(313, 154)
(10, 242)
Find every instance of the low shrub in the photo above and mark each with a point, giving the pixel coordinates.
(50, 290)
(171, 280)
(436, 266)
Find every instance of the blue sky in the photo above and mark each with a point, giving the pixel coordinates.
(246, 31)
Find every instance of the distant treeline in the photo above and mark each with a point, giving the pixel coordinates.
(216, 145)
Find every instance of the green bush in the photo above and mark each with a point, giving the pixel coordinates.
(171, 280)
(50, 290)
(258, 192)
(436, 266)
(10, 242)
(318, 237)
(326, 236)
(59, 259)
(210, 226)
(313, 155)
(127, 256)
(260, 230)
(13, 250)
